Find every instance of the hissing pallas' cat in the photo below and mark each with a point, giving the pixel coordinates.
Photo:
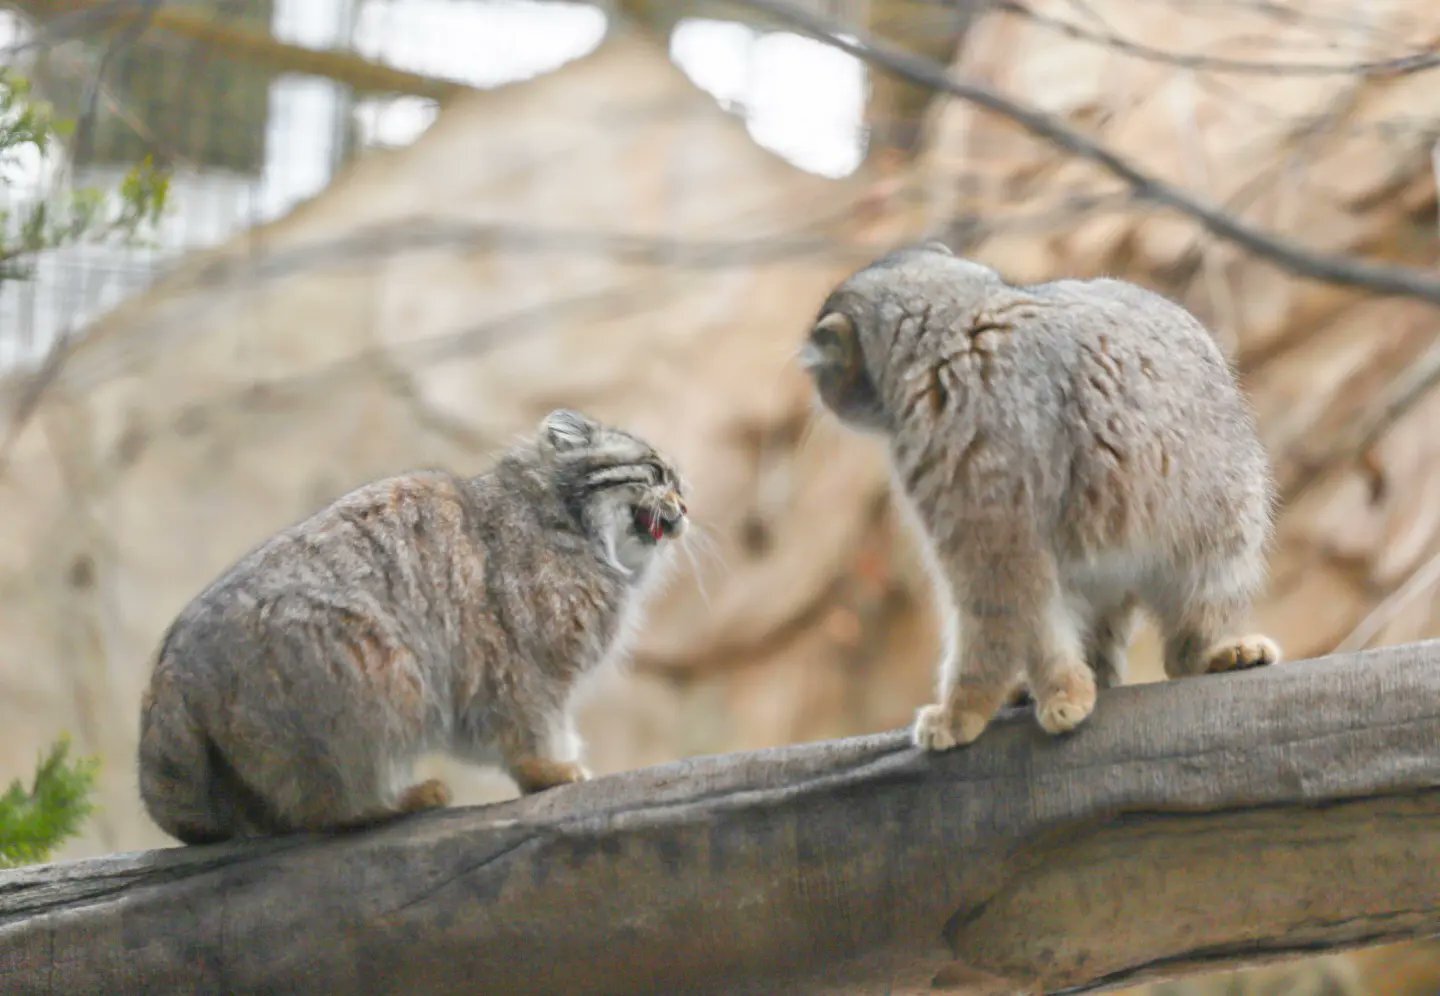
(427, 612)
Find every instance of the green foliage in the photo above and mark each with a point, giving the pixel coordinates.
(34, 823)
(85, 214)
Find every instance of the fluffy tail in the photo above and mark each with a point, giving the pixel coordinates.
(177, 769)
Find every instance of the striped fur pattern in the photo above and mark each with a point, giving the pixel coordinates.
(427, 612)
(1070, 452)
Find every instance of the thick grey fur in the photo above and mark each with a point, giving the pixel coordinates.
(1070, 451)
(427, 612)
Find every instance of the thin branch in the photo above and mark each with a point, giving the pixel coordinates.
(66, 26)
(32, 391)
(1327, 267)
(35, 387)
(116, 106)
(1402, 65)
(1396, 400)
(1422, 581)
(85, 128)
(260, 48)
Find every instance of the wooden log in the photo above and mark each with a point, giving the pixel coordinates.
(1192, 825)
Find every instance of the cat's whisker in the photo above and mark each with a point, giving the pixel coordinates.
(808, 430)
(699, 575)
(705, 544)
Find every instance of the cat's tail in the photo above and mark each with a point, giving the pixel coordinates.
(177, 776)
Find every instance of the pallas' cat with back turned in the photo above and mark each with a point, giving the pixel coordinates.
(1071, 452)
(427, 612)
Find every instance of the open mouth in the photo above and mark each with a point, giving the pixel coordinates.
(655, 524)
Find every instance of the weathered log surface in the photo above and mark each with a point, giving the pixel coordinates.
(1193, 825)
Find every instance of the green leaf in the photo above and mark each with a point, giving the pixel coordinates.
(66, 218)
(34, 823)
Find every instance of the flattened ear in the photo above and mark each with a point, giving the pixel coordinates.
(567, 430)
(832, 344)
(935, 245)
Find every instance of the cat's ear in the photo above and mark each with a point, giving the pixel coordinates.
(935, 245)
(832, 344)
(567, 430)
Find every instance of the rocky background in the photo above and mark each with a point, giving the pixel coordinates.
(606, 237)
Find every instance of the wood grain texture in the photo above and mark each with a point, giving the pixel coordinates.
(1194, 825)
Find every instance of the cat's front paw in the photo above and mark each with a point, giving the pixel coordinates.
(1245, 652)
(936, 728)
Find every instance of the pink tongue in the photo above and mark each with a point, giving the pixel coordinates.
(656, 529)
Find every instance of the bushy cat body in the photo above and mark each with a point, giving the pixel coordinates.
(1070, 452)
(427, 612)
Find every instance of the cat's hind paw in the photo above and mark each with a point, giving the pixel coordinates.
(429, 794)
(936, 729)
(536, 774)
(1241, 654)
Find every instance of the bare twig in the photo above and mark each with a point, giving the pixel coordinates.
(1401, 65)
(49, 372)
(71, 24)
(1392, 403)
(1328, 267)
(1435, 176)
(1422, 580)
(32, 391)
(257, 47)
(85, 127)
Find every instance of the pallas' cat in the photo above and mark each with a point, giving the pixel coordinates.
(1070, 452)
(427, 612)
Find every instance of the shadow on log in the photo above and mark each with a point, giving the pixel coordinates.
(1194, 825)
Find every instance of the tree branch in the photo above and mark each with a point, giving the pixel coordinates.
(1328, 267)
(1399, 65)
(243, 43)
(1191, 825)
